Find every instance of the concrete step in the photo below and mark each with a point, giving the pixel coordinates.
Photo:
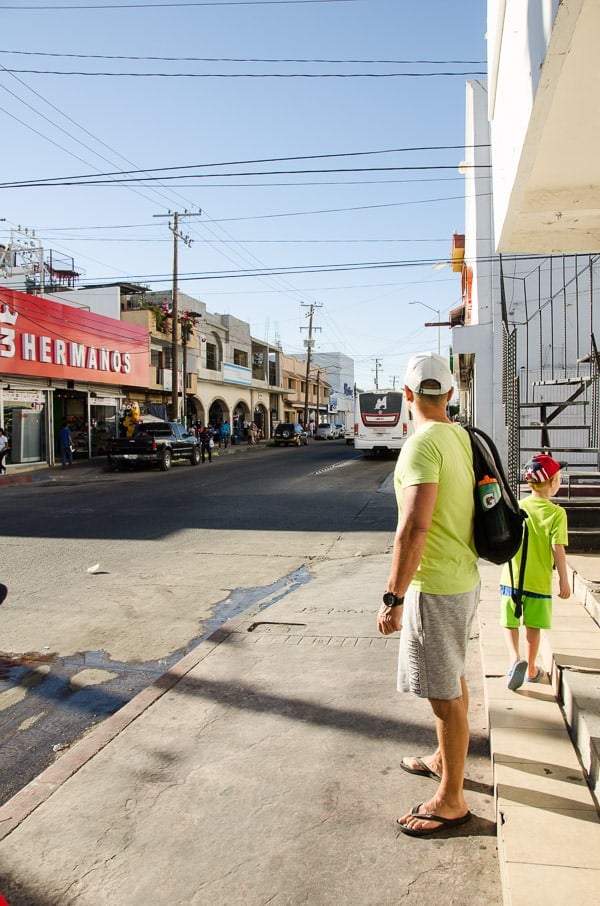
(581, 510)
(581, 517)
(584, 541)
(572, 649)
(548, 822)
(583, 514)
(579, 692)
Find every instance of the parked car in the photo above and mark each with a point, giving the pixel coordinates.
(349, 436)
(325, 431)
(290, 433)
(339, 431)
(156, 442)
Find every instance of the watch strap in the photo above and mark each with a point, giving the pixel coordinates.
(392, 600)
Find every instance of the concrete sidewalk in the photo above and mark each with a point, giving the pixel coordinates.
(263, 768)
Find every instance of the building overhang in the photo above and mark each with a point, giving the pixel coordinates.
(553, 195)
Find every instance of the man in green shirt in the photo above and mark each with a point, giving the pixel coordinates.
(433, 587)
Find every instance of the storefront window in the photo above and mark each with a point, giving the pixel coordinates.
(24, 420)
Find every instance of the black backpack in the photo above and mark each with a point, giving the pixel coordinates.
(499, 530)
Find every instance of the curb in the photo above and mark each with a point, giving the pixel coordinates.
(51, 474)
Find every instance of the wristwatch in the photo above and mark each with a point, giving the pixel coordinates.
(392, 600)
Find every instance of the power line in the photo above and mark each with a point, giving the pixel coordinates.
(272, 160)
(306, 269)
(60, 182)
(366, 207)
(285, 287)
(249, 75)
(299, 241)
(97, 6)
(137, 190)
(265, 272)
(94, 56)
(70, 119)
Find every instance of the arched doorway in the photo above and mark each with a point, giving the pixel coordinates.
(195, 411)
(240, 422)
(217, 413)
(261, 420)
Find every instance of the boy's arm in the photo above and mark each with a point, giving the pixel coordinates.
(560, 561)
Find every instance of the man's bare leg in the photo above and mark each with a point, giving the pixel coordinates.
(453, 741)
(434, 761)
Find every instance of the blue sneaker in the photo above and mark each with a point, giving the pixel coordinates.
(516, 676)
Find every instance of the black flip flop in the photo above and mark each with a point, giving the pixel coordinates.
(423, 769)
(3, 593)
(444, 823)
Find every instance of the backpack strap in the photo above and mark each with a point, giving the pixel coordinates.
(517, 593)
(495, 455)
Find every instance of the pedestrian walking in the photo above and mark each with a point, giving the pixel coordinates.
(433, 586)
(206, 443)
(225, 433)
(547, 537)
(66, 445)
(4, 448)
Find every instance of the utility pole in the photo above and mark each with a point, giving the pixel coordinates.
(309, 345)
(377, 367)
(174, 227)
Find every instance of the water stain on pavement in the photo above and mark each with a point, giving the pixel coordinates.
(47, 702)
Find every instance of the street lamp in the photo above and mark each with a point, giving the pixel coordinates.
(439, 318)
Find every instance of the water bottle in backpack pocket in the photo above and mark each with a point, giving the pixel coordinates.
(493, 513)
(498, 526)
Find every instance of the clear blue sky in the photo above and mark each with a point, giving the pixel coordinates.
(78, 125)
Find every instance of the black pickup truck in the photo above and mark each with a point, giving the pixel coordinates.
(155, 442)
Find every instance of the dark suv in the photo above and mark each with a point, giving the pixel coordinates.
(290, 433)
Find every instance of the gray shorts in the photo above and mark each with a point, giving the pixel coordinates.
(433, 643)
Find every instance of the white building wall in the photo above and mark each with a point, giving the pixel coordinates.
(339, 369)
(104, 300)
(518, 34)
(482, 337)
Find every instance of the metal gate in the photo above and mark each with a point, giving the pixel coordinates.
(550, 365)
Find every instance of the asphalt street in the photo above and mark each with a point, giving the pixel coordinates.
(173, 556)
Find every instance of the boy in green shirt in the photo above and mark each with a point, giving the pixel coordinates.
(547, 526)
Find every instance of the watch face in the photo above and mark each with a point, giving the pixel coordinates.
(392, 600)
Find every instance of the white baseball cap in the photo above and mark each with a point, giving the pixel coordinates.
(427, 366)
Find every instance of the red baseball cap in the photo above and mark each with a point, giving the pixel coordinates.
(541, 467)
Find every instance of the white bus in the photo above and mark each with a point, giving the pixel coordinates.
(382, 421)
